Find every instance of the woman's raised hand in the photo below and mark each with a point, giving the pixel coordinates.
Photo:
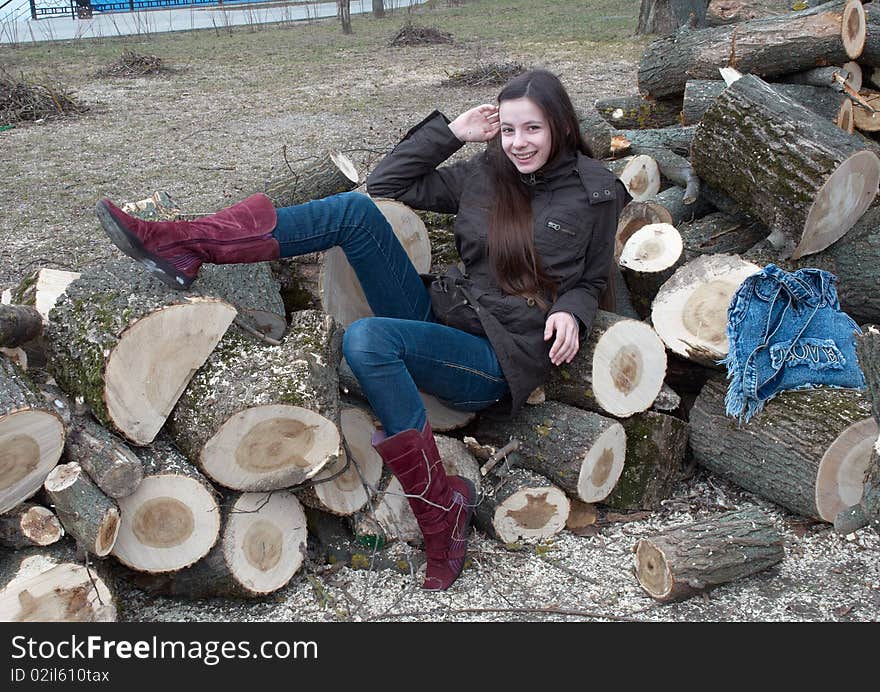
(479, 124)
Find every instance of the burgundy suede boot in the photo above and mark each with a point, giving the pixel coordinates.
(442, 504)
(174, 250)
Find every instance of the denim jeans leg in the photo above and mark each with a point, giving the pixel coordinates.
(353, 222)
(393, 359)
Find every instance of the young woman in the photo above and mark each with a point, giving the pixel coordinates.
(535, 223)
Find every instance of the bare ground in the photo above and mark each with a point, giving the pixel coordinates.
(210, 133)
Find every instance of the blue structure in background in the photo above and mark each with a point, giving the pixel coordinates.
(84, 9)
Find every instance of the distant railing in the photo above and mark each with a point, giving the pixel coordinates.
(84, 9)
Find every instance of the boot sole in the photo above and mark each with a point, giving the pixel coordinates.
(129, 244)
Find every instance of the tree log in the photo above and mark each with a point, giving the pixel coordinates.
(19, 324)
(108, 461)
(329, 175)
(173, 519)
(655, 449)
(808, 180)
(596, 132)
(262, 545)
(689, 312)
(637, 113)
(870, 54)
(257, 417)
(521, 505)
(721, 12)
(686, 560)
(639, 174)
(762, 47)
(831, 77)
(32, 436)
(618, 370)
(668, 16)
(579, 451)
(48, 584)
(29, 525)
(675, 138)
(128, 345)
(649, 258)
(806, 450)
(720, 233)
(86, 513)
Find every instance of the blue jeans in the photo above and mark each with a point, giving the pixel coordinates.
(402, 349)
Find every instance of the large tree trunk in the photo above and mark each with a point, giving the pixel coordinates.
(668, 16)
(258, 417)
(50, 584)
(680, 562)
(128, 345)
(581, 452)
(618, 370)
(521, 505)
(806, 450)
(173, 519)
(262, 545)
(32, 436)
(762, 47)
(804, 177)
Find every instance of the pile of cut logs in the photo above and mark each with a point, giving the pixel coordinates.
(211, 442)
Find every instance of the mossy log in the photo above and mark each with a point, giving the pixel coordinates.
(172, 520)
(689, 312)
(106, 458)
(521, 505)
(128, 345)
(656, 445)
(700, 94)
(618, 370)
(86, 513)
(52, 584)
(345, 486)
(806, 450)
(19, 324)
(262, 545)
(690, 559)
(633, 112)
(579, 451)
(804, 177)
(310, 179)
(32, 436)
(854, 260)
(764, 47)
(29, 524)
(258, 417)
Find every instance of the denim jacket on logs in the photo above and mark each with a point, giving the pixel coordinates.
(575, 205)
(786, 331)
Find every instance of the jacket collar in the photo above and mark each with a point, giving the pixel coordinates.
(564, 164)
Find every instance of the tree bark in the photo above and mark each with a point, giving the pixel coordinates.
(173, 519)
(618, 370)
(810, 184)
(257, 417)
(579, 451)
(686, 560)
(32, 436)
(638, 113)
(655, 449)
(806, 450)
(19, 324)
(762, 47)
(330, 174)
(521, 505)
(108, 461)
(29, 525)
(649, 258)
(128, 345)
(668, 16)
(676, 138)
(378, 9)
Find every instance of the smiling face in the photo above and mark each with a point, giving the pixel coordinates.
(525, 134)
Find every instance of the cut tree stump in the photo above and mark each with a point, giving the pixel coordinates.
(173, 519)
(49, 584)
(686, 560)
(806, 450)
(257, 417)
(806, 179)
(128, 345)
(648, 259)
(689, 312)
(579, 451)
(618, 370)
(86, 513)
(29, 525)
(32, 436)
(639, 174)
(262, 545)
(655, 450)
(350, 490)
(107, 459)
(764, 47)
(521, 505)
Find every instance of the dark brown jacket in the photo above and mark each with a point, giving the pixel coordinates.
(575, 205)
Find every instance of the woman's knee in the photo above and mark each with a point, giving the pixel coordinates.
(362, 340)
(361, 208)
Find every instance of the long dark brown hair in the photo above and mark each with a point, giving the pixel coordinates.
(511, 239)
